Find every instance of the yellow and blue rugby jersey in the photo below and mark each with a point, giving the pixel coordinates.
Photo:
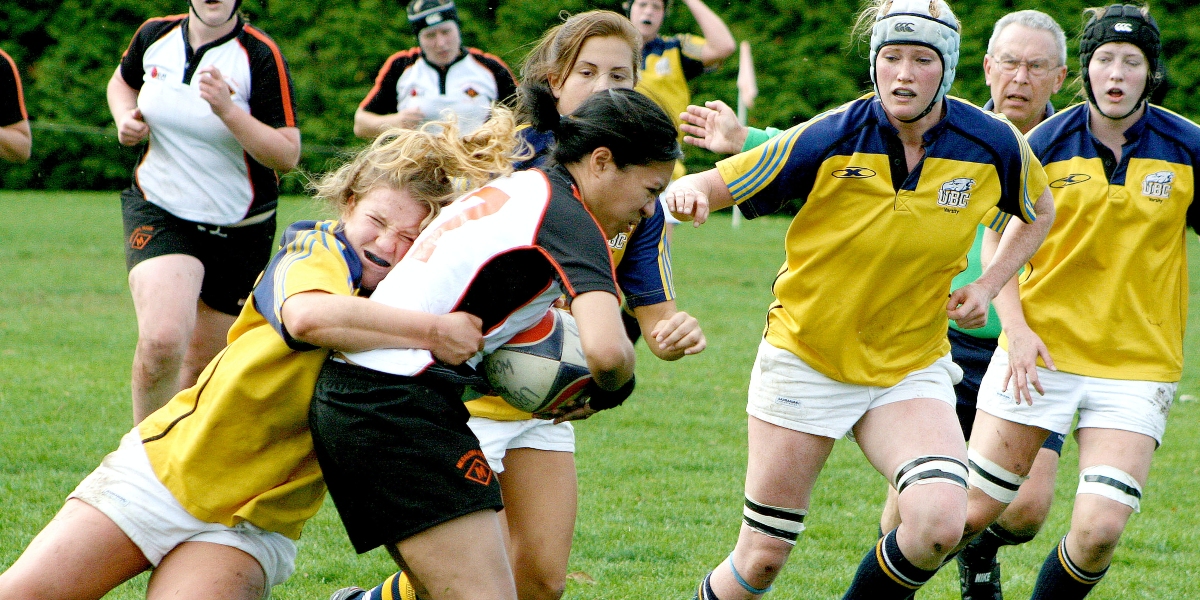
(1108, 289)
(236, 446)
(870, 255)
(668, 63)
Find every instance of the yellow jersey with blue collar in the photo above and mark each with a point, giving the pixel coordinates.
(871, 252)
(1108, 289)
(236, 446)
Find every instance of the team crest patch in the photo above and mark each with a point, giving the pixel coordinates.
(475, 468)
(618, 241)
(955, 194)
(140, 237)
(663, 67)
(1158, 185)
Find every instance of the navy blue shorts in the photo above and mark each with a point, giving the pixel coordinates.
(973, 355)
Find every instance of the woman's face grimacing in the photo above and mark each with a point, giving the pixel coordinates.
(1118, 73)
(381, 226)
(908, 77)
(603, 63)
(619, 197)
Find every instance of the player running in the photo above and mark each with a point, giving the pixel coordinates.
(893, 185)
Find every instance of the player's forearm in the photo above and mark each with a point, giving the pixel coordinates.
(121, 97)
(1019, 243)
(720, 42)
(15, 142)
(274, 148)
(648, 317)
(355, 324)
(368, 125)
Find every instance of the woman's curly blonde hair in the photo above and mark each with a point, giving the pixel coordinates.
(432, 163)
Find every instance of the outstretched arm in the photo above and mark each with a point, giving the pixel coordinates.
(694, 196)
(720, 40)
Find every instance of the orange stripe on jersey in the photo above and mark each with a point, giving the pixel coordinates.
(17, 78)
(492, 198)
(491, 56)
(387, 66)
(285, 92)
(179, 18)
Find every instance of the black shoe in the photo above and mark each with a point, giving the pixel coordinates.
(979, 580)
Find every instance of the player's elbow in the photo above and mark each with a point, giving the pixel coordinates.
(611, 362)
(362, 127)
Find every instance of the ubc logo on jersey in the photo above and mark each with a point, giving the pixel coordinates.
(663, 67)
(1158, 185)
(1071, 179)
(956, 193)
(1123, 27)
(905, 27)
(618, 242)
(854, 173)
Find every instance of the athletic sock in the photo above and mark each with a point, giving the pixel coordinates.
(1060, 579)
(885, 573)
(706, 592)
(396, 587)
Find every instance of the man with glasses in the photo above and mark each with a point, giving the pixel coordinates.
(1025, 65)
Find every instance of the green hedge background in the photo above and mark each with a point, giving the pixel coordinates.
(803, 56)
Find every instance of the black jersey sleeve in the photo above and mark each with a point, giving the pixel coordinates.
(272, 100)
(574, 242)
(382, 99)
(12, 102)
(506, 82)
(131, 61)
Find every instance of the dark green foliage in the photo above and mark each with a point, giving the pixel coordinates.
(805, 62)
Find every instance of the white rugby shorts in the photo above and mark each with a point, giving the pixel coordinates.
(785, 391)
(1127, 405)
(125, 488)
(496, 438)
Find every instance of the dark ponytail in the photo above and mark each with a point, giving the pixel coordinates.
(630, 125)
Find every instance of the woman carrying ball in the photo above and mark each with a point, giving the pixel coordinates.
(390, 427)
(1106, 293)
(891, 186)
(211, 490)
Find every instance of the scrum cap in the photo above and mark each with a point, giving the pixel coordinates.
(427, 13)
(913, 22)
(1123, 23)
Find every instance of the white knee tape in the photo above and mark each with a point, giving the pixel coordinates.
(1112, 483)
(930, 469)
(775, 521)
(992, 479)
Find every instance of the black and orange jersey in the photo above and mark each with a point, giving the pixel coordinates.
(12, 98)
(193, 166)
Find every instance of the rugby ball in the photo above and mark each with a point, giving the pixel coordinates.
(541, 367)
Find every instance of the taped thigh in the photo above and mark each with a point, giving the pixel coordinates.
(931, 468)
(992, 479)
(1112, 483)
(774, 521)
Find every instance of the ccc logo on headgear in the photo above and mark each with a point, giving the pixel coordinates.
(905, 27)
(1123, 28)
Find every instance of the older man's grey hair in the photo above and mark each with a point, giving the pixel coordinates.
(1033, 19)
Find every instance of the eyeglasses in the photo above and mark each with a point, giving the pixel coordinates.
(1037, 68)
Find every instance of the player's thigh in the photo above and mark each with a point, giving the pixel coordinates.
(203, 570)
(540, 497)
(165, 290)
(783, 464)
(461, 558)
(80, 554)
(893, 434)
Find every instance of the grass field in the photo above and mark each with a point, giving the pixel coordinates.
(660, 478)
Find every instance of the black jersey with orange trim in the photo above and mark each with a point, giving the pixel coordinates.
(193, 166)
(407, 79)
(12, 100)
